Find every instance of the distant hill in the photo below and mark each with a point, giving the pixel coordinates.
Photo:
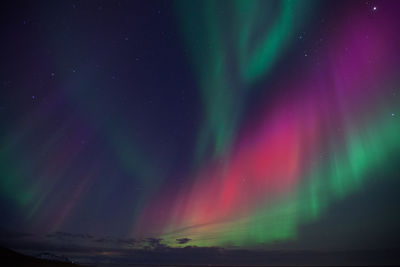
(11, 258)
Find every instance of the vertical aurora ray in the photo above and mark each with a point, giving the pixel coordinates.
(230, 51)
(132, 157)
(21, 172)
(47, 167)
(298, 156)
(29, 178)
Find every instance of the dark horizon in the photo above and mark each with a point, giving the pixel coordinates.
(206, 256)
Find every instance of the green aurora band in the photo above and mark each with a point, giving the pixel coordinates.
(231, 51)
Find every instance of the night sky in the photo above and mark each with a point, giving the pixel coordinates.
(183, 131)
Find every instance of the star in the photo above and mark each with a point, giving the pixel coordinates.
(374, 8)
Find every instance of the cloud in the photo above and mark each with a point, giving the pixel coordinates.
(154, 243)
(182, 240)
(4, 234)
(129, 241)
(65, 235)
(104, 240)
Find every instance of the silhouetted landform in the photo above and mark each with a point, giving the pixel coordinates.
(217, 257)
(11, 258)
(52, 257)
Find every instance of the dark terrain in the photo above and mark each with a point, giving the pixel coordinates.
(12, 258)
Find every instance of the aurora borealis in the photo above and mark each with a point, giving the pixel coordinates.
(213, 124)
(316, 146)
